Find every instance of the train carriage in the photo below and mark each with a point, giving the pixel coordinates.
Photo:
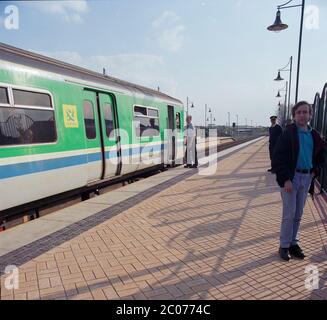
(64, 128)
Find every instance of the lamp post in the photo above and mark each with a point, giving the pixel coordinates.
(205, 115)
(236, 124)
(187, 103)
(228, 122)
(279, 78)
(212, 120)
(279, 26)
(206, 119)
(286, 113)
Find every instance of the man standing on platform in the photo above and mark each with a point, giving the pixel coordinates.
(191, 155)
(275, 131)
(297, 159)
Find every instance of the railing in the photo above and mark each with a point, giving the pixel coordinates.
(319, 122)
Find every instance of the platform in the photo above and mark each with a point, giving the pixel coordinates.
(176, 235)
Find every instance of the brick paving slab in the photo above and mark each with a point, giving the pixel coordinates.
(201, 237)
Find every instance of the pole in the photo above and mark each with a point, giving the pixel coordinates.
(299, 54)
(289, 90)
(205, 116)
(186, 106)
(286, 115)
(229, 122)
(237, 124)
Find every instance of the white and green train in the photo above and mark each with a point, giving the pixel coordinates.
(67, 129)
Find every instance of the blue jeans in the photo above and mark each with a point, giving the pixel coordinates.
(293, 205)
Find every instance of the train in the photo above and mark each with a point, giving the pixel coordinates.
(319, 122)
(65, 129)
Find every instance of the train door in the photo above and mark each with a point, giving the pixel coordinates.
(102, 138)
(93, 136)
(111, 136)
(171, 137)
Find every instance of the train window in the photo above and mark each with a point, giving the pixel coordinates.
(148, 127)
(26, 126)
(141, 124)
(154, 125)
(153, 113)
(4, 96)
(140, 111)
(107, 110)
(28, 98)
(89, 120)
(178, 120)
(147, 121)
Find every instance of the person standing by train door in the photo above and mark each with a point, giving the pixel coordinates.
(191, 154)
(297, 159)
(275, 130)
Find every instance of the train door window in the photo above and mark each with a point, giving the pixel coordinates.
(4, 96)
(178, 120)
(108, 118)
(89, 120)
(28, 98)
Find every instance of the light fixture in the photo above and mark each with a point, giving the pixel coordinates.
(279, 78)
(278, 25)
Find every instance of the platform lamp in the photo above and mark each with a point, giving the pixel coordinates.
(279, 26)
(286, 115)
(279, 78)
(211, 120)
(205, 115)
(187, 103)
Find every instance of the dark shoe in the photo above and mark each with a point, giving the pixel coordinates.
(284, 254)
(269, 170)
(194, 166)
(296, 251)
(187, 166)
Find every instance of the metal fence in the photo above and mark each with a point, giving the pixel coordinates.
(319, 122)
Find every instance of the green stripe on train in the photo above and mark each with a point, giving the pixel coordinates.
(65, 93)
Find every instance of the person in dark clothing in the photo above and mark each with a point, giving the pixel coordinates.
(297, 159)
(275, 131)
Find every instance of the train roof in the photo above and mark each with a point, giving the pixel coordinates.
(34, 60)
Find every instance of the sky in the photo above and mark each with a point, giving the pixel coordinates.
(214, 52)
